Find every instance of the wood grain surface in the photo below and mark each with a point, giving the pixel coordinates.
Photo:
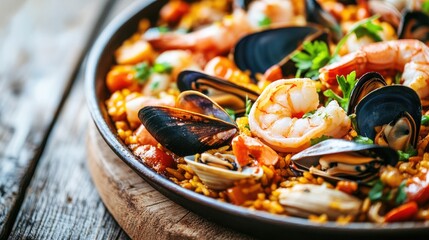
(42, 126)
(140, 210)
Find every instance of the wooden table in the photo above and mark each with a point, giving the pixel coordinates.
(46, 190)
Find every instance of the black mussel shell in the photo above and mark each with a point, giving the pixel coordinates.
(309, 157)
(399, 134)
(217, 89)
(259, 51)
(198, 102)
(383, 105)
(316, 14)
(367, 83)
(414, 25)
(186, 133)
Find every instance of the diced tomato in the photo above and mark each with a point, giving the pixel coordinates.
(173, 11)
(418, 188)
(120, 77)
(402, 213)
(155, 158)
(238, 194)
(246, 148)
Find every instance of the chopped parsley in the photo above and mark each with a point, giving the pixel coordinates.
(346, 83)
(363, 140)
(142, 72)
(162, 68)
(264, 22)
(163, 29)
(315, 141)
(154, 85)
(314, 56)
(398, 77)
(360, 29)
(248, 106)
(425, 120)
(309, 114)
(401, 195)
(376, 192)
(425, 7)
(230, 112)
(405, 155)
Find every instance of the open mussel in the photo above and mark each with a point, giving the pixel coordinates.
(223, 92)
(219, 171)
(414, 25)
(186, 132)
(337, 159)
(316, 14)
(367, 83)
(260, 51)
(396, 107)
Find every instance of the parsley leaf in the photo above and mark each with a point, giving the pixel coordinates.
(360, 29)
(309, 114)
(162, 68)
(405, 155)
(346, 83)
(425, 7)
(315, 141)
(264, 22)
(376, 192)
(248, 106)
(425, 120)
(142, 72)
(314, 56)
(230, 112)
(363, 140)
(401, 195)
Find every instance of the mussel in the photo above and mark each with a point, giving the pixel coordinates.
(398, 106)
(367, 83)
(185, 132)
(338, 159)
(219, 174)
(414, 25)
(225, 93)
(303, 200)
(260, 51)
(316, 14)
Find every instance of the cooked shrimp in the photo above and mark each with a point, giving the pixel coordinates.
(179, 60)
(134, 105)
(213, 40)
(277, 116)
(264, 13)
(246, 149)
(409, 56)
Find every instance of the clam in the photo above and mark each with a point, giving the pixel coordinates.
(366, 84)
(186, 132)
(274, 48)
(225, 93)
(396, 105)
(303, 200)
(414, 25)
(338, 159)
(216, 173)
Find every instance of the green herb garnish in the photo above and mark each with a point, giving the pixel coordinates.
(264, 22)
(360, 29)
(346, 84)
(309, 114)
(425, 7)
(401, 195)
(425, 120)
(163, 29)
(398, 77)
(315, 141)
(230, 112)
(376, 192)
(154, 86)
(405, 155)
(314, 56)
(363, 140)
(162, 68)
(248, 106)
(142, 72)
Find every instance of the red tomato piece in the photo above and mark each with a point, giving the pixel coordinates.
(173, 11)
(155, 158)
(418, 188)
(402, 213)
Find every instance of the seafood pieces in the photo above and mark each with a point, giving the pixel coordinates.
(286, 116)
(409, 56)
